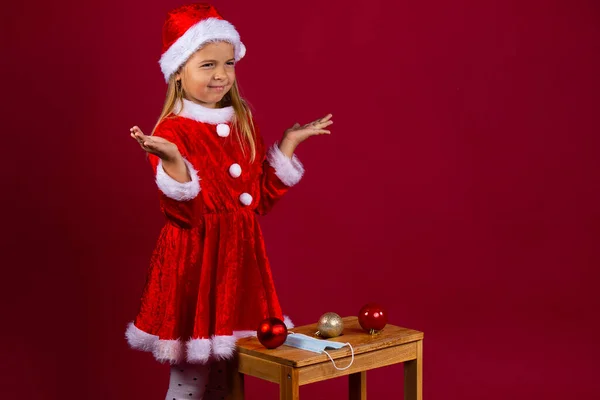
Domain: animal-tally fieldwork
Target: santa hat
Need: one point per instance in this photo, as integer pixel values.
(187, 28)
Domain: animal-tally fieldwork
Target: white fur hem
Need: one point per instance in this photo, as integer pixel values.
(223, 346)
(177, 190)
(288, 322)
(210, 29)
(138, 339)
(198, 351)
(163, 350)
(194, 351)
(169, 351)
(289, 170)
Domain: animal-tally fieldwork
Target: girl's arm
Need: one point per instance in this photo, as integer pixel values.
(279, 174)
(177, 169)
(175, 175)
(297, 134)
(281, 168)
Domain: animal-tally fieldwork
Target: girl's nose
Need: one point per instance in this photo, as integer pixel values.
(219, 74)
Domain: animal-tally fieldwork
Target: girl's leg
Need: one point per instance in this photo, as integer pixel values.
(188, 381)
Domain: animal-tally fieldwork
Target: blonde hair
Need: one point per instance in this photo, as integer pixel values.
(242, 118)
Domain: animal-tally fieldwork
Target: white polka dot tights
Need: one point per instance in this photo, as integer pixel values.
(188, 381)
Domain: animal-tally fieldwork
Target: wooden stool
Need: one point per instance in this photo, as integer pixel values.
(291, 367)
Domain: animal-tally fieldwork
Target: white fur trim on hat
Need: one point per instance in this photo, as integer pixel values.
(207, 30)
(177, 190)
(289, 170)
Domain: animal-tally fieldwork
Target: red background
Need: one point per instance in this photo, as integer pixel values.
(459, 188)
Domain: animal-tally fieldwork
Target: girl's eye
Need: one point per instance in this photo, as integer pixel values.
(206, 65)
(230, 63)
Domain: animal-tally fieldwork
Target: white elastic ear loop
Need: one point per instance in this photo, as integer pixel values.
(335, 366)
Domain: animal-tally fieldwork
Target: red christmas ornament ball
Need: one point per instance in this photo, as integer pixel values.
(271, 332)
(372, 316)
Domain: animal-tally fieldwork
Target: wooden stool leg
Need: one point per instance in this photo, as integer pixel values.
(236, 380)
(289, 389)
(358, 386)
(413, 376)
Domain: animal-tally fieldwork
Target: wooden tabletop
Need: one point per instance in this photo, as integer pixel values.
(361, 341)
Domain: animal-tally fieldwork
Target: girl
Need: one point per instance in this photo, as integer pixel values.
(209, 281)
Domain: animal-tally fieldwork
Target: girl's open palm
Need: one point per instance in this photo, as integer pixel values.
(298, 134)
(155, 145)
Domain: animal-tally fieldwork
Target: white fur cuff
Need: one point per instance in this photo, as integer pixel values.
(289, 170)
(177, 190)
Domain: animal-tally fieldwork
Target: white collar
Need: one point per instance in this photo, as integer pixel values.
(200, 113)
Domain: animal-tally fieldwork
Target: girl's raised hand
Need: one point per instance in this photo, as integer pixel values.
(155, 145)
(298, 134)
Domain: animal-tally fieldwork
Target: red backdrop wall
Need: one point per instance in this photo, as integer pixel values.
(459, 188)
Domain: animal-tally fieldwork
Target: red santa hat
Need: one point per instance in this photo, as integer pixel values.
(187, 28)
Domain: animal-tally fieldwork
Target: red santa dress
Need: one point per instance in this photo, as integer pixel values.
(209, 281)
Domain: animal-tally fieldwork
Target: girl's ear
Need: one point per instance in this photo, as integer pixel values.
(178, 74)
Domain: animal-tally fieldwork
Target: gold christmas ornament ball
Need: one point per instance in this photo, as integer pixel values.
(330, 325)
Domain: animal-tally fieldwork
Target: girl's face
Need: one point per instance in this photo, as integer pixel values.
(208, 74)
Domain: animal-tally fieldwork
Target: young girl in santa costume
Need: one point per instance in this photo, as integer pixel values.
(209, 281)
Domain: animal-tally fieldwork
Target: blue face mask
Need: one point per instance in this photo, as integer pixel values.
(315, 345)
